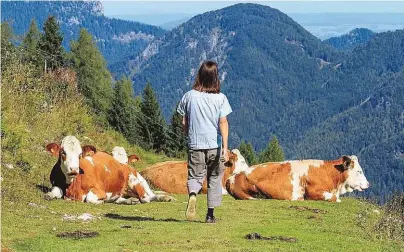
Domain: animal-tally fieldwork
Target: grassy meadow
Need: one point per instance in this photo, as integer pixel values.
(39, 109)
(317, 226)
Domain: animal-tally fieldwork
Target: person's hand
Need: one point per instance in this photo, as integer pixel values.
(225, 155)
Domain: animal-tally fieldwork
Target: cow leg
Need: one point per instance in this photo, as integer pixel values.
(159, 198)
(322, 195)
(139, 186)
(96, 196)
(135, 186)
(130, 201)
(55, 193)
(236, 191)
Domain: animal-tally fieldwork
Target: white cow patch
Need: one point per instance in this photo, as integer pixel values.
(356, 178)
(92, 198)
(72, 150)
(56, 192)
(240, 165)
(224, 191)
(120, 154)
(328, 195)
(109, 194)
(133, 180)
(300, 168)
(90, 159)
(106, 169)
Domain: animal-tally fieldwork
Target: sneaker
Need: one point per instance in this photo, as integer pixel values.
(210, 219)
(191, 208)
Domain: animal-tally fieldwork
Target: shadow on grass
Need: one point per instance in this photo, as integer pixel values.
(43, 188)
(142, 218)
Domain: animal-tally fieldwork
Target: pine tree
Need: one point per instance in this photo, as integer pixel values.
(30, 43)
(124, 110)
(177, 141)
(94, 79)
(7, 47)
(248, 153)
(151, 122)
(273, 153)
(50, 44)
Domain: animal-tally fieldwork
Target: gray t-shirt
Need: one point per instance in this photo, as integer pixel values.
(203, 111)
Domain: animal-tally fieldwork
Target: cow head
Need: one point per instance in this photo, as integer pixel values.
(356, 178)
(120, 154)
(240, 162)
(69, 154)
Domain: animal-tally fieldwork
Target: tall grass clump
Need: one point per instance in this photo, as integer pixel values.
(391, 223)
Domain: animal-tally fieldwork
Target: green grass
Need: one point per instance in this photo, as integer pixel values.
(342, 227)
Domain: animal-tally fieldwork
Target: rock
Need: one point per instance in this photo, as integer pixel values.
(9, 166)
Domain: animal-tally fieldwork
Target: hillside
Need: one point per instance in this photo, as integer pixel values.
(115, 38)
(350, 40)
(39, 109)
(282, 80)
(272, 72)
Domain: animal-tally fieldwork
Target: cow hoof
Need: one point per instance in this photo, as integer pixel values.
(133, 201)
(168, 198)
(47, 197)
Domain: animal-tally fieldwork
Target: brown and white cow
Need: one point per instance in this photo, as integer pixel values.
(171, 176)
(297, 179)
(87, 175)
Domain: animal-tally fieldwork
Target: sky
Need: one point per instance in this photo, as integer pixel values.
(120, 8)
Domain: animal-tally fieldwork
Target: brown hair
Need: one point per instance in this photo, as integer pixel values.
(207, 79)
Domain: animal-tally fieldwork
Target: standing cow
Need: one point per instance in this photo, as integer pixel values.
(87, 175)
(297, 180)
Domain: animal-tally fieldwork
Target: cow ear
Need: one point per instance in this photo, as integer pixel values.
(88, 150)
(346, 162)
(232, 159)
(133, 158)
(53, 148)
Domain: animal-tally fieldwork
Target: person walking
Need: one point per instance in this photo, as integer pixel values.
(204, 110)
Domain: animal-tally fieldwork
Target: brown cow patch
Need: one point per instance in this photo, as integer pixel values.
(78, 234)
(257, 236)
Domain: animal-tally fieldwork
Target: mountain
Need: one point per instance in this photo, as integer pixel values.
(351, 40)
(263, 55)
(281, 80)
(373, 126)
(115, 38)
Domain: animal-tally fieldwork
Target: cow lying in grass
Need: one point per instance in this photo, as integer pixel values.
(171, 176)
(297, 180)
(95, 177)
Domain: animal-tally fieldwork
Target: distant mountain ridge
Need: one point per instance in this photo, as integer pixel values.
(349, 41)
(282, 80)
(115, 38)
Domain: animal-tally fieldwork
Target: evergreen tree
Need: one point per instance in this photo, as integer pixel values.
(151, 122)
(7, 47)
(30, 43)
(177, 141)
(124, 110)
(248, 153)
(273, 153)
(50, 44)
(94, 79)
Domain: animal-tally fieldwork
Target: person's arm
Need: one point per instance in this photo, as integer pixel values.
(224, 131)
(185, 125)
